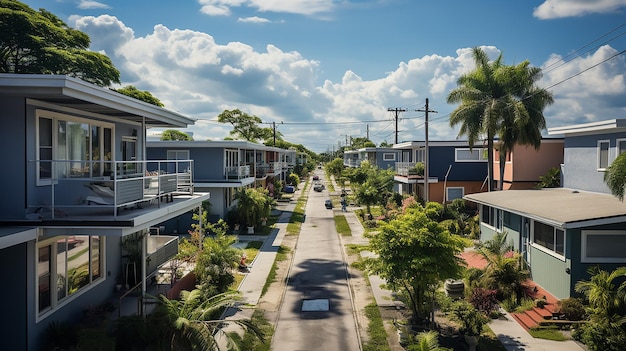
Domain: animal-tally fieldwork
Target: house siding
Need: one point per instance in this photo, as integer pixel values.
(16, 302)
(13, 138)
(550, 274)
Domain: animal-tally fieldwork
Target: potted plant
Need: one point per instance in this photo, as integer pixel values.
(471, 320)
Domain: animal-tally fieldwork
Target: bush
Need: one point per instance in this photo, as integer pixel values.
(572, 309)
(601, 335)
(484, 300)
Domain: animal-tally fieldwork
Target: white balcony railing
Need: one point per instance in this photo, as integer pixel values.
(78, 187)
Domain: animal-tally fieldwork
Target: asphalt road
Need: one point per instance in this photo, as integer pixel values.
(317, 310)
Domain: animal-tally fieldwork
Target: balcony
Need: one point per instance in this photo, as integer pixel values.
(238, 172)
(161, 249)
(409, 169)
(78, 187)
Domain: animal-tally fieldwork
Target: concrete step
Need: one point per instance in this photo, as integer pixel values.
(544, 312)
(524, 320)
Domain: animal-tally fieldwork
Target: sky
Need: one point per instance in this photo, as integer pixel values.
(328, 70)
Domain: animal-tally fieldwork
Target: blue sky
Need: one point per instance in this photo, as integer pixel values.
(328, 69)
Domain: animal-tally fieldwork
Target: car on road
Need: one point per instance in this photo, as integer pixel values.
(316, 177)
(328, 204)
(318, 187)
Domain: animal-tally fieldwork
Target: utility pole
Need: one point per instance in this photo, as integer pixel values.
(397, 111)
(367, 131)
(274, 125)
(426, 162)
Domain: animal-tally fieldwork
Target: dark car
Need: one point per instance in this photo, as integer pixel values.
(318, 187)
(328, 203)
(316, 177)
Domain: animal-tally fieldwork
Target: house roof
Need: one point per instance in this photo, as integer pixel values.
(226, 144)
(73, 93)
(607, 126)
(561, 207)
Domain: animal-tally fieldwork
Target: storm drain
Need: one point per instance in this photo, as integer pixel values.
(315, 305)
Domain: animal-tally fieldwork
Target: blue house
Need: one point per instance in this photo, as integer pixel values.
(223, 167)
(381, 157)
(454, 170)
(561, 232)
(77, 185)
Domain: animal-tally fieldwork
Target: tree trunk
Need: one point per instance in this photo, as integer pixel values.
(490, 160)
(503, 154)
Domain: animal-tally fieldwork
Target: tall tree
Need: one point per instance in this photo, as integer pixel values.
(144, 96)
(38, 42)
(173, 134)
(245, 127)
(499, 100)
(615, 176)
(522, 118)
(415, 254)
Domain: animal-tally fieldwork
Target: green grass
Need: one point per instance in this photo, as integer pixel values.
(489, 341)
(281, 255)
(375, 330)
(342, 226)
(547, 333)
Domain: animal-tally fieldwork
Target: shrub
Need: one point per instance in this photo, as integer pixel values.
(572, 308)
(601, 335)
(484, 300)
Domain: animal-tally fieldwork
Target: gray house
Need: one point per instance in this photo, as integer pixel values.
(561, 232)
(381, 157)
(77, 185)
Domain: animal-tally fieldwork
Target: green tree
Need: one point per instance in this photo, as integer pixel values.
(144, 96)
(415, 254)
(552, 179)
(522, 117)
(335, 167)
(253, 204)
(216, 262)
(615, 176)
(360, 142)
(426, 341)
(372, 186)
(38, 42)
(246, 127)
(173, 134)
(496, 99)
(191, 324)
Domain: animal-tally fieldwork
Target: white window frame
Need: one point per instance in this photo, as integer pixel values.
(599, 154)
(618, 150)
(55, 304)
(583, 246)
(545, 249)
(481, 155)
(454, 188)
(386, 156)
(55, 117)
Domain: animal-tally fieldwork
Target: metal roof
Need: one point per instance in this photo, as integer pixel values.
(561, 207)
(76, 94)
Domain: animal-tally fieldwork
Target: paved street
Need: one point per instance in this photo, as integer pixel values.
(317, 309)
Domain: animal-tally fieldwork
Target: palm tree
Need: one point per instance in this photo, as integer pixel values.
(615, 176)
(189, 323)
(522, 120)
(604, 295)
(499, 100)
(427, 341)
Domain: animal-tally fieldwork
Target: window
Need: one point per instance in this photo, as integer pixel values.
(603, 154)
(453, 193)
(389, 156)
(177, 167)
(65, 266)
(467, 155)
(603, 246)
(549, 238)
(492, 216)
(69, 146)
(620, 145)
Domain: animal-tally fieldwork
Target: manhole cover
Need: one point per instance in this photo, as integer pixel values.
(315, 305)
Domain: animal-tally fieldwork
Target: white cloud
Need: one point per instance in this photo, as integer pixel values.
(193, 74)
(301, 7)
(574, 8)
(254, 19)
(87, 5)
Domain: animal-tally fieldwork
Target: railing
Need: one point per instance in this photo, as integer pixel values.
(237, 172)
(81, 187)
(406, 168)
(352, 163)
(161, 248)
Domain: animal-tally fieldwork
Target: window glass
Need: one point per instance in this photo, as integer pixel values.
(559, 241)
(77, 263)
(45, 148)
(544, 235)
(61, 264)
(454, 193)
(605, 246)
(96, 258)
(603, 154)
(78, 148)
(486, 214)
(389, 157)
(44, 273)
(621, 146)
(467, 155)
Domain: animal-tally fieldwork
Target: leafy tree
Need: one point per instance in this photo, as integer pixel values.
(360, 142)
(191, 324)
(496, 99)
(372, 186)
(415, 254)
(384, 143)
(335, 167)
(253, 204)
(38, 42)
(173, 134)
(552, 179)
(246, 127)
(215, 263)
(144, 96)
(615, 176)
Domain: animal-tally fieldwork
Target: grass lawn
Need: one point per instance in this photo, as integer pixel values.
(342, 226)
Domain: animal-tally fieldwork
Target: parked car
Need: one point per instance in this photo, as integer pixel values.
(318, 187)
(290, 189)
(316, 177)
(328, 204)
